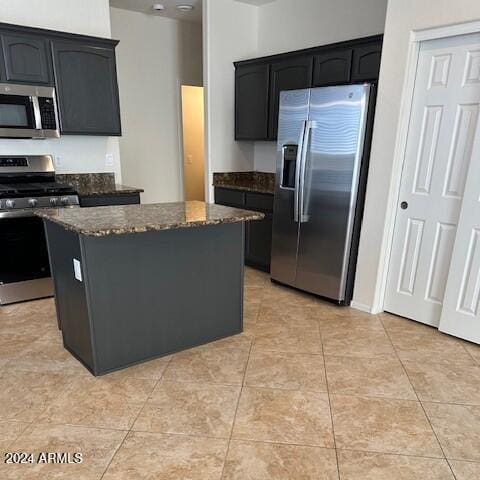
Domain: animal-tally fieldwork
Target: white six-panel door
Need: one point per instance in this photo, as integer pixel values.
(442, 131)
(461, 306)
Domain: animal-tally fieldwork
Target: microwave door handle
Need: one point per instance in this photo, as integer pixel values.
(303, 163)
(298, 160)
(36, 112)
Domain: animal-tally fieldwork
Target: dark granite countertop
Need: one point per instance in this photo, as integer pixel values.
(95, 184)
(118, 220)
(260, 182)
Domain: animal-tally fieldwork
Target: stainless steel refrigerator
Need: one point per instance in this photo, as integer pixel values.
(322, 156)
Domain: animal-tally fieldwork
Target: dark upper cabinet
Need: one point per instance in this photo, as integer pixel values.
(251, 101)
(86, 79)
(348, 62)
(289, 74)
(332, 67)
(25, 59)
(366, 62)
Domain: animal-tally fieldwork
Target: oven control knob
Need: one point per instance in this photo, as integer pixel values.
(54, 201)
(33, 202)
(64, 201)
(10, 203)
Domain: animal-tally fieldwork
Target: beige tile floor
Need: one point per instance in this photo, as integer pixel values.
(308, 391)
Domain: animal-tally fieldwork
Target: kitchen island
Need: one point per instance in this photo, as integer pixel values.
(136, 282)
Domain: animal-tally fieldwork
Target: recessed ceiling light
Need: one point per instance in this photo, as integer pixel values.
(158, 7)
(185, 8)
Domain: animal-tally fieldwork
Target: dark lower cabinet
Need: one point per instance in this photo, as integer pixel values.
(109, 200)
(26, 59)
(251, 102)
(290, 74)
(230, 197)
(87, 88)
(258, 243)
(258, 234)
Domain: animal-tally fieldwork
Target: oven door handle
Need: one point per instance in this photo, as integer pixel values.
(17, 213)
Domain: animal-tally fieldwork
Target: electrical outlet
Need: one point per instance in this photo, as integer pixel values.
(109, 160)
(189, 159)
(58, 161)
(77, 270)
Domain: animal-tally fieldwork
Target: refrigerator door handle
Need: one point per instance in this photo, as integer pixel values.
(309, 124)
(296, 195)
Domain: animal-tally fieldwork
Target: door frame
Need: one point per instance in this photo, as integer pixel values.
(416, 37)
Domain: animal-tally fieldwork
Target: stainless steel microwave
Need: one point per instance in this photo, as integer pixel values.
(28, 111)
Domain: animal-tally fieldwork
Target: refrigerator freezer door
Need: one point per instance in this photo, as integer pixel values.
(337, 119)
(294, 106)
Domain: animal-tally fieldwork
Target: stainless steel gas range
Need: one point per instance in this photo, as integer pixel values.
(26, 184)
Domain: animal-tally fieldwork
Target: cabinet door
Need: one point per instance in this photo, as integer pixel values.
(258, 243)
(26, 59)
(366, 62)
(229, 197)
(290, 74)
(258, 234)
(251, 102)
(87, 89)
(332, 67)
(109, 200)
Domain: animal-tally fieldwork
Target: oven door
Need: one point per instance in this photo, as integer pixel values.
(18, 116)
(24, 263)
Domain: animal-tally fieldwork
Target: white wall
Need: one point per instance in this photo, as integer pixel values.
(285, 26)
(90, 17)
(403, 16)
(230, 33)
(155, 56)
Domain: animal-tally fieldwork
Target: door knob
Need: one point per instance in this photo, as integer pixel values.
(404, 205)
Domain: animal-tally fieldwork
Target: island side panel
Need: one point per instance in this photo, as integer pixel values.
(70, 294)
(154, 293)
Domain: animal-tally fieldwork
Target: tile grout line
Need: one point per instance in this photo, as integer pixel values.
(28, 425)
(78, 425)
(475, 462)
(241, 386)
(392, 454)
(237, 405)
(329, 400)
(475, 361)
(63, 394)
(418, 398)
(149, 396)
(308, 445)
(135, 419)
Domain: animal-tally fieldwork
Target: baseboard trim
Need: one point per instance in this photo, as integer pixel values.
(361, 306)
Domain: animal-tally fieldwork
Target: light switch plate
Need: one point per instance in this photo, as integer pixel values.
(109, 160)
(77, 270)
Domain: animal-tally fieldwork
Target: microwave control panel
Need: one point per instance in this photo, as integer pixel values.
(47, 113)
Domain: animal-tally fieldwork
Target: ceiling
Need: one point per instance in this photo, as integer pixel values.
(145, 6)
